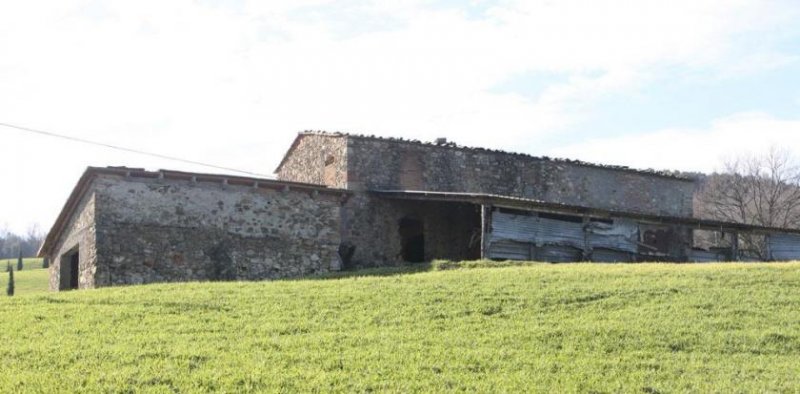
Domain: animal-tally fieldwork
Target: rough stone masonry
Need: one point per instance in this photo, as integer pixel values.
(145, 228)
(354, 201)
(363, 164)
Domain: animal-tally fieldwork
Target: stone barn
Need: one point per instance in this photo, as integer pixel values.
(130, 226)
(349, 201)
(415, 201)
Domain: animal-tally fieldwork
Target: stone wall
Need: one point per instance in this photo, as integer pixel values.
(371, 225)
(375, 164)
(318, 160)
(79, 233)
(166, 230)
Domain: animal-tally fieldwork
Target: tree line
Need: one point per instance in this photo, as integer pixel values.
(761, 189)
(13, 245)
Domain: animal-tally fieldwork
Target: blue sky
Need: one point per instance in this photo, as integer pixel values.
(681, 98)
(644, 83)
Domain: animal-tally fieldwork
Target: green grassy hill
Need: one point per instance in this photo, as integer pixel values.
(28, 263)
(574, 327)
(26, 282)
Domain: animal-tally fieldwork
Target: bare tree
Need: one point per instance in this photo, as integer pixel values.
(761, 190)
(12, 244)
(33, 240)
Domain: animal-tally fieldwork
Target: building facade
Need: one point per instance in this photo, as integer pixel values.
(128, 226)
(347, 201)
(381, 229)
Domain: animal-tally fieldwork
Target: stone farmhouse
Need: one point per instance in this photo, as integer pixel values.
(348, 201)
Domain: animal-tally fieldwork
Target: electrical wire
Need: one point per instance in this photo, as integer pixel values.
(130, 150)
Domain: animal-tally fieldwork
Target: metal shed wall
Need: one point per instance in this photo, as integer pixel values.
(536, 230)
(510, 250)
(528, 236)
(784, 246)
(622, 235)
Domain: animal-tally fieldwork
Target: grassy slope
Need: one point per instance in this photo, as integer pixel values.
(26, 282)
(31, 280)
(581, 327)
(27, 263)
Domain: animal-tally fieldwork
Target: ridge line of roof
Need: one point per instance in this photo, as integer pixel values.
(451, 145)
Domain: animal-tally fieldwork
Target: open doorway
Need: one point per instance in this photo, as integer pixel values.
(412, 240)
(70, 263)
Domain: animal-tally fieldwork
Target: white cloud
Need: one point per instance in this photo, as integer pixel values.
(232, 82)
(692, 149)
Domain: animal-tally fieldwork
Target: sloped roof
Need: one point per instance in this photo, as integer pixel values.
(651, 172)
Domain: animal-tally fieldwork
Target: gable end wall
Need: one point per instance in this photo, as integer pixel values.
(307, 161)
(80, 232)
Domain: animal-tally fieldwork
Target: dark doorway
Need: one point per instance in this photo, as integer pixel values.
(70, 272)
(412, 240)
(73, 271)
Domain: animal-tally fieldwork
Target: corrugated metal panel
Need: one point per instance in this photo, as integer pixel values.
(509, 250)
(705, 256)
(622, 235)
(611, 256)
(509, 227)
(784, 246)
(558, 254)
(539, 231)
(560, 232)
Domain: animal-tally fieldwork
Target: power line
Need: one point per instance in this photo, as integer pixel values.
(130, 150)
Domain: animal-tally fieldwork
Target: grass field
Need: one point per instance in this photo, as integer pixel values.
(26, 282)
(27, 263)
(31, 280)
(574, 327)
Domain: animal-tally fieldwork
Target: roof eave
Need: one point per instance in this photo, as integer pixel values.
(511, 202)
(73, 199)
(91, 172)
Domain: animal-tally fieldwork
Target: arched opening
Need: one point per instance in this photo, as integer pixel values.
(412, 240)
